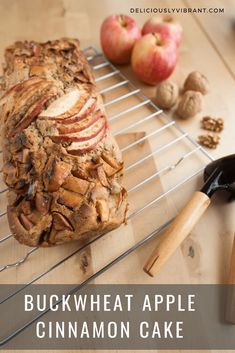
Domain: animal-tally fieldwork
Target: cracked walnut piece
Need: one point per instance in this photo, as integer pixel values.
(212, 124)
(210, 140)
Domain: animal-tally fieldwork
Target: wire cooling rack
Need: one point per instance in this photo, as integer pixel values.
(160, 159)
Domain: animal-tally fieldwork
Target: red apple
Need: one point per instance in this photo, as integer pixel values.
(118, 35)
(154, 59)
(167, 26)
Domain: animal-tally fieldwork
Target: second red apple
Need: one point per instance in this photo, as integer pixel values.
(166, 26)
(153, 58)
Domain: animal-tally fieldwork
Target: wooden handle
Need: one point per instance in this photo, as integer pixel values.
(230, 304)
(177, 232)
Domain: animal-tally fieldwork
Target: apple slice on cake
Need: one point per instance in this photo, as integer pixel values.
(66, 106)
(78, 148)
(84, 135)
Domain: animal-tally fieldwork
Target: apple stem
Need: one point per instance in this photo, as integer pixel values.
(168, 19)
(158, 39)
(123, 21)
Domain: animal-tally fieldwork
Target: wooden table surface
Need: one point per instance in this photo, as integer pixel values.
(208, 46)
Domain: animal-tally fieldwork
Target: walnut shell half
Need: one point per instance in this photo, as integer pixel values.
(190, 104)
(196, 82)
(167, 94)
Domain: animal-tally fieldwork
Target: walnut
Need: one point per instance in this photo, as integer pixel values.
(167, 94)
(196, 82)
(212, 124)
(210, 140)
(190, 104)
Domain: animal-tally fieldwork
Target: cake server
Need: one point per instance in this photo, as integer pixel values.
(218, 175)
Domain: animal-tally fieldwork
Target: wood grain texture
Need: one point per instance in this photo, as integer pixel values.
(230, 303)
(177, 232)
(219, 30)
(231, 275)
